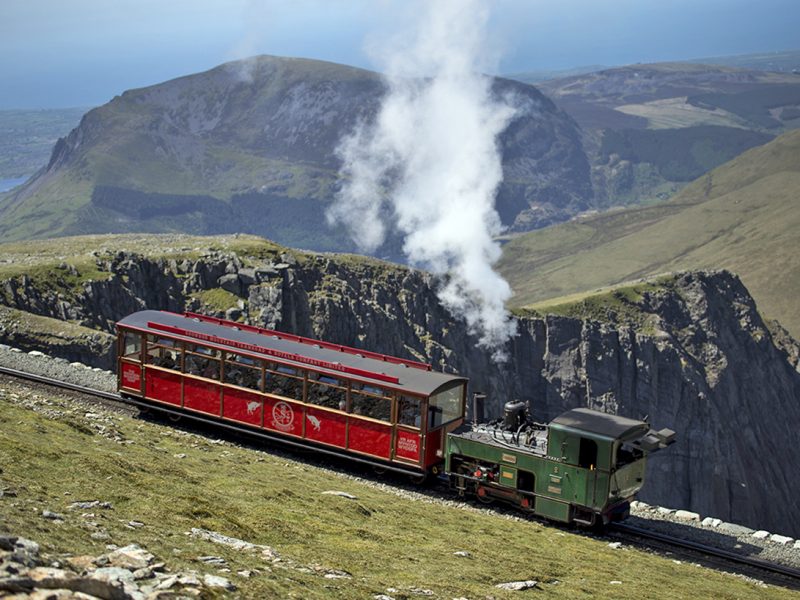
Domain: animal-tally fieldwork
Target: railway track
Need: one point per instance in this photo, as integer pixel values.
(770, 572)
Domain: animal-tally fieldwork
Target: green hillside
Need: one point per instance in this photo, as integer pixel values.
(743, 216)
(379, 540)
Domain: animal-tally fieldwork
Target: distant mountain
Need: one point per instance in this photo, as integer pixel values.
(787, 61)
(534, 77)
(249, 147)
(742, 216)
(650, 129)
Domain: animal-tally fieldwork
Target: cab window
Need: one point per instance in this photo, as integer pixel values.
(628, 454)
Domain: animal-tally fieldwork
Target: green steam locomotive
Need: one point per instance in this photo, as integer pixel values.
(584, 467)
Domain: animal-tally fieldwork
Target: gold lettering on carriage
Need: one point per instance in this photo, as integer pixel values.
(408, 445)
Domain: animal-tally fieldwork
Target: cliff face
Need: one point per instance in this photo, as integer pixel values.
(697, 358)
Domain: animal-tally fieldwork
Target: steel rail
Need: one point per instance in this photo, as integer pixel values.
(749, 561)
(211, 422)
(625, 528)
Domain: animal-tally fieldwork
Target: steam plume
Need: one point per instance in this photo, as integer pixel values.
(429, 164)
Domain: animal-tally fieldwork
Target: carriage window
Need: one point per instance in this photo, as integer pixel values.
(202, 362)
(161, 341)
(166, 358)
(369, 401)
(132, 346)
(409, 411)
(243, 371)
(324, 390)
(445, 406)
(284, 381)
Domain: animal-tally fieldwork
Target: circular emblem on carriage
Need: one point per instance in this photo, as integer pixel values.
(282, 416)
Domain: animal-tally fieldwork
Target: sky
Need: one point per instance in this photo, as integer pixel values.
(56, 53)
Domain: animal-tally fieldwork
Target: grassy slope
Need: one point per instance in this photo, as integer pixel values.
(381, 538)
(743, 216)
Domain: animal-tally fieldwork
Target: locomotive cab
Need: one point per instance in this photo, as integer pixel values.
(610, 453)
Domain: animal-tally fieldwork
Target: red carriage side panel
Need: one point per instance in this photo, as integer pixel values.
(163, 386)
(326, 427)
(370, 437)
(201, 395)
(283, 416)
(408, 445)
(242, 406)
(131, 377)
(433, 443)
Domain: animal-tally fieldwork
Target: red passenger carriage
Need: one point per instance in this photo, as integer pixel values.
(372, 408)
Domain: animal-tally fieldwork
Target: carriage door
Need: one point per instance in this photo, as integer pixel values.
(130, 362)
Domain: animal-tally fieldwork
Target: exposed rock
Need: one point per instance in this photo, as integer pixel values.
(266, 552)
(686, 515)
(212, 560)
(215, 581)
(342, 494)
(761, 534)
(90, 504)
(100, 577)
(231, 283)
(131, 556)
(518, 586)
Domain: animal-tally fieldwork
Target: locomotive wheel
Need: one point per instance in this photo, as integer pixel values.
(483, 496)
(174, 418)
(378, 470)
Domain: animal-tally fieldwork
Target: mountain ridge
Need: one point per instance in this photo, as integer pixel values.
(268, 127)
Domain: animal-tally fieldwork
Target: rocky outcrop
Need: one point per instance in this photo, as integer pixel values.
(128, 573)
(692, 353)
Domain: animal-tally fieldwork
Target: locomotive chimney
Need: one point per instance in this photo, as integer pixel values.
(478, 401)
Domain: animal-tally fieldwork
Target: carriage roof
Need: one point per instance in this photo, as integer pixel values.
(368, 367)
